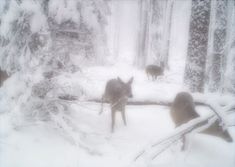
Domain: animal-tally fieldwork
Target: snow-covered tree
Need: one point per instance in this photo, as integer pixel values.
(156, 32)
(155, 21)
(229, 76)
(43, 43)
(27, 26)
(160, 30)
(167, 31)
(143, 33)
(197, 46)
(217, 57)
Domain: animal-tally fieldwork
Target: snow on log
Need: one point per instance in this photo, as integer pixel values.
(193, 126)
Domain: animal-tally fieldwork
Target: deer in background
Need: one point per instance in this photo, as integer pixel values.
(3, 76)
(116, 93)
(183, 110)
(154, 71)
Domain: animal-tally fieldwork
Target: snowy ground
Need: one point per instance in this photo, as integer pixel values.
(38, 144)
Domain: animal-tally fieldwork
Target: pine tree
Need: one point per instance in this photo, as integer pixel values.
(42, 38)
(38, 26)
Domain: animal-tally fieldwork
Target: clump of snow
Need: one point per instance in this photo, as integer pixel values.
(62, 12)
(8, 18)
(38, 20)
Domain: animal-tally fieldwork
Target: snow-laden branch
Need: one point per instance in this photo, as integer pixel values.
(215, 105)
(193, 126)
(66, 126)
(220, 112)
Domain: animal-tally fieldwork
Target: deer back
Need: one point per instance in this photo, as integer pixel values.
(183, 109)
(116, 90)
(154, 70)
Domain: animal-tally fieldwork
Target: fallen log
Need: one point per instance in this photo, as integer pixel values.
(146, 102)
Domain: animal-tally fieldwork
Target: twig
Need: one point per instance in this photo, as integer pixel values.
(165, 148)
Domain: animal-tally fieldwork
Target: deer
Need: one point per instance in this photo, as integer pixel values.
(183, 110)
(3, 77)
(117, 93)
(154, 71)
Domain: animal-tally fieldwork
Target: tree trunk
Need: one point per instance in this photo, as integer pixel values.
(218, 55)
(197, 47)
(157, 33)
(143, 33)
(167, 32)
(229, 81)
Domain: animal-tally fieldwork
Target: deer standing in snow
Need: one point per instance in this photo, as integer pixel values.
(154, 71)
(183, 110)
(116, 93)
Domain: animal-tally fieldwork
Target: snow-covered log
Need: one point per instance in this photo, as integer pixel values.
(193, 126)
(216, 105)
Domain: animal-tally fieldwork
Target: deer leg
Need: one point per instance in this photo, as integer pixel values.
(124, 116)
(113, 120)
(152, 77)
(184, 144)
(149, 77)
(102, 103)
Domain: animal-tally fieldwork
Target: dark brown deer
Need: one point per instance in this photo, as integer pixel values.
(154, 71)
(183, 110)
(3, 76)
(116, 93)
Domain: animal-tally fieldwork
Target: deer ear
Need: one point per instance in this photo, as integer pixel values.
(119, 79)
(130, 80)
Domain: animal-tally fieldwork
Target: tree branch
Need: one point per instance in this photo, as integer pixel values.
(195, 125)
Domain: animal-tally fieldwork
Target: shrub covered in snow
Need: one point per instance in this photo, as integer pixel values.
(42, 45)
